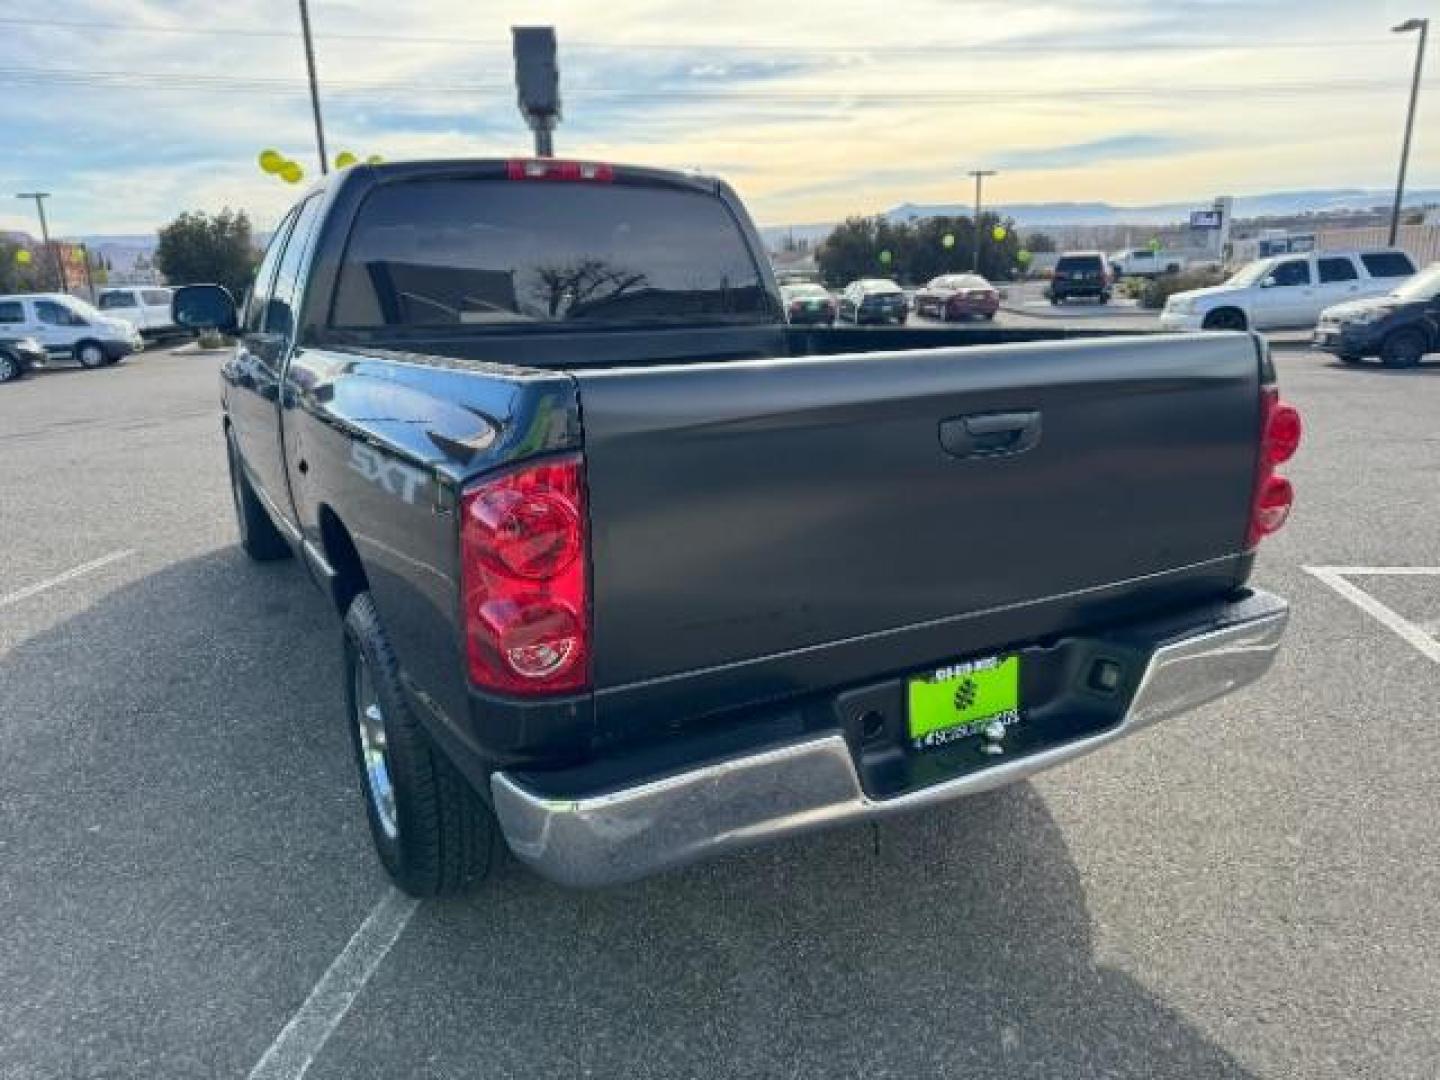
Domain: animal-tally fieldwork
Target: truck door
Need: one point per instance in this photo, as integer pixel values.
(1339, 280)
(1287, 295)
(269, 330)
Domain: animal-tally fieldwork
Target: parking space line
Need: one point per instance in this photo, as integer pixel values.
(60, 579)
(290, 1056)
(1335, 577)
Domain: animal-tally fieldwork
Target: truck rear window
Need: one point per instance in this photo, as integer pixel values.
(494, 252)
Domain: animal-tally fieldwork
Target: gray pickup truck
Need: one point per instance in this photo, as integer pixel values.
(631, 572)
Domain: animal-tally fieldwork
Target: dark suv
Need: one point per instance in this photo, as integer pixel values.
(1081, 273)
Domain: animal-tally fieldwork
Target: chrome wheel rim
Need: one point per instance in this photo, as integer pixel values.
(8, 369)
(374, 760)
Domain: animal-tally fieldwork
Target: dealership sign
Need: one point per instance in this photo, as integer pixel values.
(1205, 219)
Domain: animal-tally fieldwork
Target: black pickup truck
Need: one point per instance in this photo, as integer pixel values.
(631, 572)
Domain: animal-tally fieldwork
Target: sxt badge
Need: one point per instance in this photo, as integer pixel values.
(397, 479)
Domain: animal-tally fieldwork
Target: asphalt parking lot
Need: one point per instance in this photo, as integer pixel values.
(1250, 890)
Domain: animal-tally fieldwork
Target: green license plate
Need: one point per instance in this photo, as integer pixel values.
(963, 699)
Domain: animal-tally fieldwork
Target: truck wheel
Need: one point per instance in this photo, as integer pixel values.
(259, 538)
(90, 354)
(9, 368)
(1350, 358)
(433, 834)
(1402, 349)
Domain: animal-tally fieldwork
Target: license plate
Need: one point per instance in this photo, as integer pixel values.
(963, 699)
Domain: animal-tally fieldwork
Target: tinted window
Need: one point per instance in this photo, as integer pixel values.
(48, 311)
(280, 317)
(1388, 264)
(110, 301)
(1141, 256)
(1291, 272)
(1337, 269)
(156, 297)
(11, 311)
(264, 276)
(1080, 264)
(476, 252)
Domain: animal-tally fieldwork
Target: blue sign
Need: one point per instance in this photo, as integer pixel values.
(1205, 219)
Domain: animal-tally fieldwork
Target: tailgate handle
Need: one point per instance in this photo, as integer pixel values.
(990, 434)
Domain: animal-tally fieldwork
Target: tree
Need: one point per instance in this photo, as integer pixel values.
(197, 247)
(918, 250)
(18, 277)
(1039, 242)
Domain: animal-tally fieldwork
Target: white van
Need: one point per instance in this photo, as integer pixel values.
(1287, 290)
(147, 306)
(68, 329)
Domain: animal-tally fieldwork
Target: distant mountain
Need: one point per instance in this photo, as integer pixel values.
(1059, 215)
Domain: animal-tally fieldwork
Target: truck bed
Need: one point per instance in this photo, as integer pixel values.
(763, 527)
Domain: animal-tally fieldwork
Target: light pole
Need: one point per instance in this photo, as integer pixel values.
(979, 175)
(40, 197)
(1423, 25)
(314, 88)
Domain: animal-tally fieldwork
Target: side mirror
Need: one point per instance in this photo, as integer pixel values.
(204, 307)
(1267, 283)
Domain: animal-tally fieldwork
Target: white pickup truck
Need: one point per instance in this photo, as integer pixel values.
(1147, 262)
(1287, 290)
(147, 306)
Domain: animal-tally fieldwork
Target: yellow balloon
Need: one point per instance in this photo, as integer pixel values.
(22, 257)
(271, 161)
(999, 232)
(374, 159)
(948, 240)
(345, 159)
(291, 173)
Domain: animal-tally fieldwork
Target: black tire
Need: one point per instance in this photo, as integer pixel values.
(1105, 298)
(1224, 319)
(1350, 358)
(259, 538)
(1402, 348)
(989, 316)
(901, 320)
(90, 354)
(10, 367)
(434, 835)
(1054, 301)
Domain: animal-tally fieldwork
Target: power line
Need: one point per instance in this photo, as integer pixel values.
(163, 80)
(1189, 45)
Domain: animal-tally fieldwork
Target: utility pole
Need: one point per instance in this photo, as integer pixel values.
(89, 277)
(40, 197)
(979, 175)
(1423, 25)
(314, 88)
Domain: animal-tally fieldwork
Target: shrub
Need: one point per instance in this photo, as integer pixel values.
(212, 339)
(1156, 291)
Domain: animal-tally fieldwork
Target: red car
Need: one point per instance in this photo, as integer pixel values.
(957, 296)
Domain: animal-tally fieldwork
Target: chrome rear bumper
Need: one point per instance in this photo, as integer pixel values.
(810, 784)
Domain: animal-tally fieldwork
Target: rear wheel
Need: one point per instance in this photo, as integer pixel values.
(90, 354)
(1350, 358)
(1403, 349)
(1224, 319)
(259, 538)
(431, 831)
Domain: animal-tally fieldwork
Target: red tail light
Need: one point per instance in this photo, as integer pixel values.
(1280, 431)
(550, 169)
(523, 589)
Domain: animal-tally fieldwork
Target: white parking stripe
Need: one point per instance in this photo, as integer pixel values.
(290, 1056)
(60, 579)
(1334, 576)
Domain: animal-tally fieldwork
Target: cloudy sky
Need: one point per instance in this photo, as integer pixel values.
(132, 111)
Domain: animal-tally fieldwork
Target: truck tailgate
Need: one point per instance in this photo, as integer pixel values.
(764, 527)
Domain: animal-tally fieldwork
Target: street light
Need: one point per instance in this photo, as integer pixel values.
(314, 86)
(979, 175)
(40, 197)
(1423, 25)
